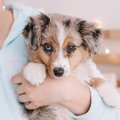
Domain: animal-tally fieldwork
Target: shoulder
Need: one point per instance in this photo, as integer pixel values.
(25, 10)
(21, 14)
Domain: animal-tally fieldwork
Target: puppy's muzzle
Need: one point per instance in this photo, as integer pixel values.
(58, 72)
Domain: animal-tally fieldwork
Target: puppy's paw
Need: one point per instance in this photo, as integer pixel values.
(35, 73)
(110, 94)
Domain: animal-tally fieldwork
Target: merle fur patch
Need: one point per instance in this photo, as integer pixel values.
(66, 23)
(32, 31)
(90, 35)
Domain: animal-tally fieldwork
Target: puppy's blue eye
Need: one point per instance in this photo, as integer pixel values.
(47, 47)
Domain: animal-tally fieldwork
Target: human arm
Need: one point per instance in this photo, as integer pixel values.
(83, 103)
(67, 92)
(98, 110)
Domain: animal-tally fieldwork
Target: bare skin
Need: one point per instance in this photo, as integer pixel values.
(68, 92)
(6, 21)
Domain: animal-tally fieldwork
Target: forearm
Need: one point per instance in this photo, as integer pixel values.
(78, 98)
(98, 110)
(83, 103)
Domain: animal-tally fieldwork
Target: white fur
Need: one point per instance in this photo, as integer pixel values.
(61, 34)
(35, 73)
(107, 90)
(87, 71)
(109, 94)
(61, 61)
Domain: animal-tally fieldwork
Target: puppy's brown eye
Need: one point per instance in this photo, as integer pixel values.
(47, 48)
(71, 48)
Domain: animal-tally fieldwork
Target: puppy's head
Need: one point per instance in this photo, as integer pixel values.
(61, 42)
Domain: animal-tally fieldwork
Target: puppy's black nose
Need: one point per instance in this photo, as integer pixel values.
(58, 71)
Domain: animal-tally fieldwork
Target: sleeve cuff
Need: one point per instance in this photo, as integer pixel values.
(96, 109)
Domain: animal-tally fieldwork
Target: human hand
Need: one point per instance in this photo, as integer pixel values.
(66, 91)
(36, 96)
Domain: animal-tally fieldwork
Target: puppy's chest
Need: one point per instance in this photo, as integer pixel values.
(86, 72)
(83, 73)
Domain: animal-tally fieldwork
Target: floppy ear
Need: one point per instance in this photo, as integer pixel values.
(33, 30)
(90, 34)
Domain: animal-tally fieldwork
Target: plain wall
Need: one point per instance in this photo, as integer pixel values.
(105, 11)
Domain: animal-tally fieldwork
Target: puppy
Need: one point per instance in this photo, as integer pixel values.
(61, 46)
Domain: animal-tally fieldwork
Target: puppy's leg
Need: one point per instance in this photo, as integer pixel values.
(35, 73)
(107, 91)
(51, 112)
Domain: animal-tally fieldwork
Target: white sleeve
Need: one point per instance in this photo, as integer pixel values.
(98, 110)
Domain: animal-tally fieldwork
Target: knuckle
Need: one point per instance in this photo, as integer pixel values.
(27, 86)
(28, 90)
(35, 104)
(17, 89)
(13, 78)
(33, 100)
(30, 97)
(19, 98)
(27, 106)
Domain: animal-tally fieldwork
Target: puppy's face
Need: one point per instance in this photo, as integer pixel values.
(61, 42)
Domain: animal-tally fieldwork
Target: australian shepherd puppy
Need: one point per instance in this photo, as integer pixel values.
(61, 46)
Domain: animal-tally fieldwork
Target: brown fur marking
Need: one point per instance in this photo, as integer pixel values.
(96, 82)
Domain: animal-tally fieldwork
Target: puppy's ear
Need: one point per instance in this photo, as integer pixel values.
(90, 34)
(34, 29)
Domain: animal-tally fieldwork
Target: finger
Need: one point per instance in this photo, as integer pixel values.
(17, 79)
(23, 98)
(20, 89)
(30, 106)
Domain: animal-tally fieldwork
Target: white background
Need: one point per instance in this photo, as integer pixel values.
(106, 11)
